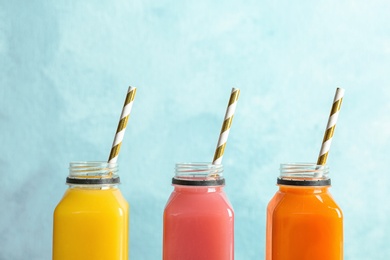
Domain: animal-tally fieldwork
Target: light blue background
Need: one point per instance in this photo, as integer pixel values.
(64, 71)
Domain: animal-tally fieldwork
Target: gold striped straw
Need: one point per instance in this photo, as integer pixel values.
(120, 131)
(334, 114)
(227, 123)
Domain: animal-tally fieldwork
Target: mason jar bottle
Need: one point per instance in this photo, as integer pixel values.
(303, 220)
(91, 220)
(198, 217)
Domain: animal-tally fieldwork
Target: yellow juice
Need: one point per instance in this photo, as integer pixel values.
(91, 221)
(91, 224)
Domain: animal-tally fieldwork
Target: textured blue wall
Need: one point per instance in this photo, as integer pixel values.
(65, 67)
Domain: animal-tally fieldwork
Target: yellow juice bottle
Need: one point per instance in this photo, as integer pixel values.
(91, 220)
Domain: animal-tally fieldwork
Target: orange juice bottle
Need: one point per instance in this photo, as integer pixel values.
(91, 220)
(303, 220)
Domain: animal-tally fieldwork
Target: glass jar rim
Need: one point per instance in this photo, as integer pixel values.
(92, 172)
(198, 174)
(304, 174)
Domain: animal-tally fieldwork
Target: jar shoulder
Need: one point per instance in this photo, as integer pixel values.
(189, 202)
(88, 199)
(314, 203)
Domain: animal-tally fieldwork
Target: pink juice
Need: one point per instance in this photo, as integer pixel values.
(198, 218)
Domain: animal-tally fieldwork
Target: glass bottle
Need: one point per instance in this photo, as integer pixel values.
(303, 220)
(198, 217)
(91, 220)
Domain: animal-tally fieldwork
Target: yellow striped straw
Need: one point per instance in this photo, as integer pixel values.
(227, 123)
(334, 114)
(120, 131)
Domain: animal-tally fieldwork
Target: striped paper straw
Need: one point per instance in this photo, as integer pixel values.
(334, 114)
(227, 123)
(120, 131)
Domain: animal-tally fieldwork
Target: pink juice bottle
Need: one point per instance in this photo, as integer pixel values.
(198, 217)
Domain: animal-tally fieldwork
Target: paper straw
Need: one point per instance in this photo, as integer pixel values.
(334, 114)
(120, 131)
(227, 123)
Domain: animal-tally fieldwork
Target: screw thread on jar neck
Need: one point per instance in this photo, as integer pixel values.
(304, 174)
(86, 173)
(198, 174)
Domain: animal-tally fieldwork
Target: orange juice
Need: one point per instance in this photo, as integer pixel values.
(303, 220)
(198, 218)
(91, 220)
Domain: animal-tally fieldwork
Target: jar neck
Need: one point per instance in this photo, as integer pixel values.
(101, 174)
(303, 189)
(304, 174)
(197, 189)
(93, 186)
(198, 174)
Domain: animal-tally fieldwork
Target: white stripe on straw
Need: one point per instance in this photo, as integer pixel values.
(331, 126)
(120, 132)
(226, 126)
